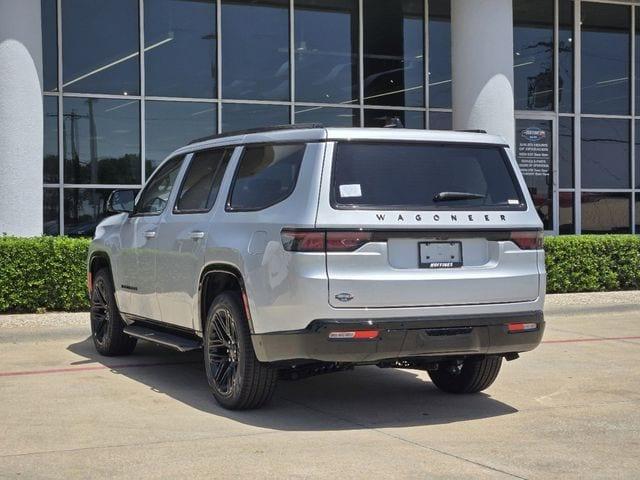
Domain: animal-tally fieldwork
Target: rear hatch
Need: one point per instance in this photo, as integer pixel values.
(423, 224)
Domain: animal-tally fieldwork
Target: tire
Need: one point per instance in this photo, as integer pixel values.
(474, 376)
(106, 323)
(236, 377)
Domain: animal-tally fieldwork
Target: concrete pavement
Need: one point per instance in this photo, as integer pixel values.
(570, 409)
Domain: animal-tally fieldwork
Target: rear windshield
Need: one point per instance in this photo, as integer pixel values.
(423, 176)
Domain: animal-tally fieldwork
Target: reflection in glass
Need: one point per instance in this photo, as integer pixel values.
(101, 141)
(637, 159)
(605, 153)
(101, 46)
(50, 151)
(565, 56)
(171, 125)
(84, 208)
(49, 45)
(637, 213)
(534, 151)
(326, 51)
(440, 54)
(328, 116)
(606, 62)
(606, 213)
(440, 121)
(180, 48)
(637, 59)
(51, 211)
(241, 116)
(533, 54)
(566, 215)
(565, 152)
(394, 52)
(255, 50)
(381, 118)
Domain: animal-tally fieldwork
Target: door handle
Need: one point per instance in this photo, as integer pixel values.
(196, 235)
(150, 234)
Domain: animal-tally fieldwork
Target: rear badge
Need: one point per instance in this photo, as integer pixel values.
(344, 297)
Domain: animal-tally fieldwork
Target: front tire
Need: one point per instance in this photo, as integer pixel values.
(473, 376)
(106, 323)
(236, 377)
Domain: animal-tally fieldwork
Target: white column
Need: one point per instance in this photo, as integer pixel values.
(21, 118)
(482, 66)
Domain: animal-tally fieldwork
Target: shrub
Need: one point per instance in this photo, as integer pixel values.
(43, 273)
(592, 263)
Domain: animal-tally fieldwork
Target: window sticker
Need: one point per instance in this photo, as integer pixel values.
(512, 201)
(351, 190)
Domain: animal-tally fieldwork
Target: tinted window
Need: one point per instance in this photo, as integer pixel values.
(412, 175)
(51, 156)
(328, 116)
(51, 211)
(49, 46)
(637, 154)
(155, 196)
(440, 121)
(101, 46)
(565, 152)
(606, 213)
(180, 48)
(381, 118)
(637, 212)
(265, 176)
(102, 138)
(606, 62)
(605, 153)
(202, 180)
(394, 60)
(171, 125)
(567, 214)
(326, 47)
(84, 208)
(533, 54)
(240, 116)
(565, 55)
(440, 53)
(255, 50)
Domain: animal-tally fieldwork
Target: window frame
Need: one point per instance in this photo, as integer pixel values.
(224, 164)
(230, 208)
(147, 185)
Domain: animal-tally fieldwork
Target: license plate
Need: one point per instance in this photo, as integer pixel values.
(440, 254)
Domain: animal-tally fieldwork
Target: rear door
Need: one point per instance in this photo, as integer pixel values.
(418, 224)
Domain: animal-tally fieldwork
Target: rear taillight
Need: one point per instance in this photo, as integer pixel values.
(528, 240)
(321, 241)
(347, 241)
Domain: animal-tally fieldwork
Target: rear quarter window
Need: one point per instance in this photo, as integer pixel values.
(421, 176)
(265, 176)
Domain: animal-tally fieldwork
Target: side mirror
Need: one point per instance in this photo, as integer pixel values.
(121, 201)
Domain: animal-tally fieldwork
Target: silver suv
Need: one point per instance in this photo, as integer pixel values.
(302, 250)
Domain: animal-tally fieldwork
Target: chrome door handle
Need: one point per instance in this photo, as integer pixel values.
(197, 235)
(150, 234)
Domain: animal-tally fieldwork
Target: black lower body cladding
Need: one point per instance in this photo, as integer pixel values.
(402, 338)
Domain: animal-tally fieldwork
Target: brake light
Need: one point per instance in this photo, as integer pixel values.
(528, 240)
(347, 241)
(303, 240)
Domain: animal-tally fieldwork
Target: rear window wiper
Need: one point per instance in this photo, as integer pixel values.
(443, 196)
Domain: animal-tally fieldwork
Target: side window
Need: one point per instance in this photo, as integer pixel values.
(155, 196)
(202, 181)
(266, 175)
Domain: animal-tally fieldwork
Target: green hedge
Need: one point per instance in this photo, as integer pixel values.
(43, 273)
(592, 263)
(48, 273)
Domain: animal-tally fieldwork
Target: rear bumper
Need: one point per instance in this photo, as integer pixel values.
(402, 338)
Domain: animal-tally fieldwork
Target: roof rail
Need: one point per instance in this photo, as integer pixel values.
(476, 130)
(298, 126)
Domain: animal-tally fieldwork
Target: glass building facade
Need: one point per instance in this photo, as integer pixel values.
(128, 81)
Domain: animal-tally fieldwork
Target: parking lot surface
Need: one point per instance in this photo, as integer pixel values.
(570, 409)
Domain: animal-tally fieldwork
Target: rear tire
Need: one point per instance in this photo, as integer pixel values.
(237, 379)
(474, 376)
(106, 323)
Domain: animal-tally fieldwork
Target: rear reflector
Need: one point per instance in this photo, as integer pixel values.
(521, 327)
(528, 240)
(355, 335)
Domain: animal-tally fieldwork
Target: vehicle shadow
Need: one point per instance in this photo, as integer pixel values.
(367, 397)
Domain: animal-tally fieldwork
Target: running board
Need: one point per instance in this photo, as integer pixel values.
(177, 342)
